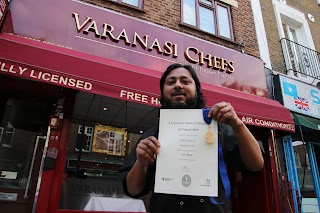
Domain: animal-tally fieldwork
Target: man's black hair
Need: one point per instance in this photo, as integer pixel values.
(200, 101)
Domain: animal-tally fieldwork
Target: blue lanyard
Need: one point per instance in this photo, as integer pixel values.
(222, 166)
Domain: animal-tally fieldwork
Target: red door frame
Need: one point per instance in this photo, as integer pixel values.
(50, 188)
(38, 89)
(274, 175)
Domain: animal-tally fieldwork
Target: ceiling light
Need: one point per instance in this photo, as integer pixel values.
(105, 108)
(141, 131)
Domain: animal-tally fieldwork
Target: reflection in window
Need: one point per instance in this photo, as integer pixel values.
(95, 173)
(136, 3)
(303, 169)
(84, 138)
(209, 16)
(223, 20)
(189, 16)
(132, 2)
(207, 20)
(297, 159)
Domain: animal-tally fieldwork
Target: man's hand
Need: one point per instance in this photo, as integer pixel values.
(249, 148)
(147, 151)
(223, 112)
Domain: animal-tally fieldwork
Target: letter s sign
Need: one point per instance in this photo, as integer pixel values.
(315, 94)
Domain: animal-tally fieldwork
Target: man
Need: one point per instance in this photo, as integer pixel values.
(181, 89)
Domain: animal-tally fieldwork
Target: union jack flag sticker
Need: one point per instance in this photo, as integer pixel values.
(301, 103)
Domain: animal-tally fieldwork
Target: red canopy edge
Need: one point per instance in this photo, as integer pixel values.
(38, 61)
(252, 110)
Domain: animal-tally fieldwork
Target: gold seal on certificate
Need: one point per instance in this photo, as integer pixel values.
(209, 136)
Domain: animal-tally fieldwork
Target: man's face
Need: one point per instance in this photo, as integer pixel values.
(179, 89)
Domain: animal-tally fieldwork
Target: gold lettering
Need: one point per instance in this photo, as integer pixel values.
(222, 64)
(123, 35)
(175, 50)
(156, 45)
(188, 57)
(216, 62)
(207, 58)
(107, 30)
(79, 27)
(93, 28)
(167, 48)
(230, 68)
(143, 42)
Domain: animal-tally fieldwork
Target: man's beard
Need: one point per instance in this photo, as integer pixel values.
(190, 103)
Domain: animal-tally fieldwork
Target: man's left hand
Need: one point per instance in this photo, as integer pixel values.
(223, 112)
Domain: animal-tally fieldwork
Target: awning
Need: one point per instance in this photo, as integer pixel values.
(34, 60)
(308, 128)
(38, 61)
(253, 110)
(311, 123)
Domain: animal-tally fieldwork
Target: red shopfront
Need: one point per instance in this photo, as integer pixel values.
(88, 68)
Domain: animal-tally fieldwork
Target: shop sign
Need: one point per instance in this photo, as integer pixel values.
(108, 34)
(4, 4)
(77, 192)
(191, 54)
(78, 84)
(300, 97)
(268, 124)
(139, 97)
(48, 77)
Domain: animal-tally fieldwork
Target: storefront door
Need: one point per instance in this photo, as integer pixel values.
(23, 128)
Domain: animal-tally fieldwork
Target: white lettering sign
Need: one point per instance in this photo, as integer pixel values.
(133, 96)
(45, 76)
(269, 124)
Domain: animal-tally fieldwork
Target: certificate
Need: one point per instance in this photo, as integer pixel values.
(186, 163)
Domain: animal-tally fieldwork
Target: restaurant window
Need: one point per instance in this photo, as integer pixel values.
(135, 3)
(305, 175)
(208, 15)
(84, 139)
(112, 127)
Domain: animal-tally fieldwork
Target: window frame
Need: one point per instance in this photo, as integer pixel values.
(213, 8)
(140, 4)
(88, 133)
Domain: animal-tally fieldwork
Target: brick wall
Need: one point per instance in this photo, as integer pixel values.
(311, 7)
(167, 13)
(275, 50)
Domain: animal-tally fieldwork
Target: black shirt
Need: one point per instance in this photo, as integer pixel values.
(170, 203)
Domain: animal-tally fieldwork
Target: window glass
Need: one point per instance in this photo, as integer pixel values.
(132, 2)
(22, 120)
(223, 19)
(206, 2)
(209, 16)
(107, 129)
(189, 15)
(303, 169)
(207, 20)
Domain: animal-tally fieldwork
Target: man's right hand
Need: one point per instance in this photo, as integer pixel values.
(147, 151)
